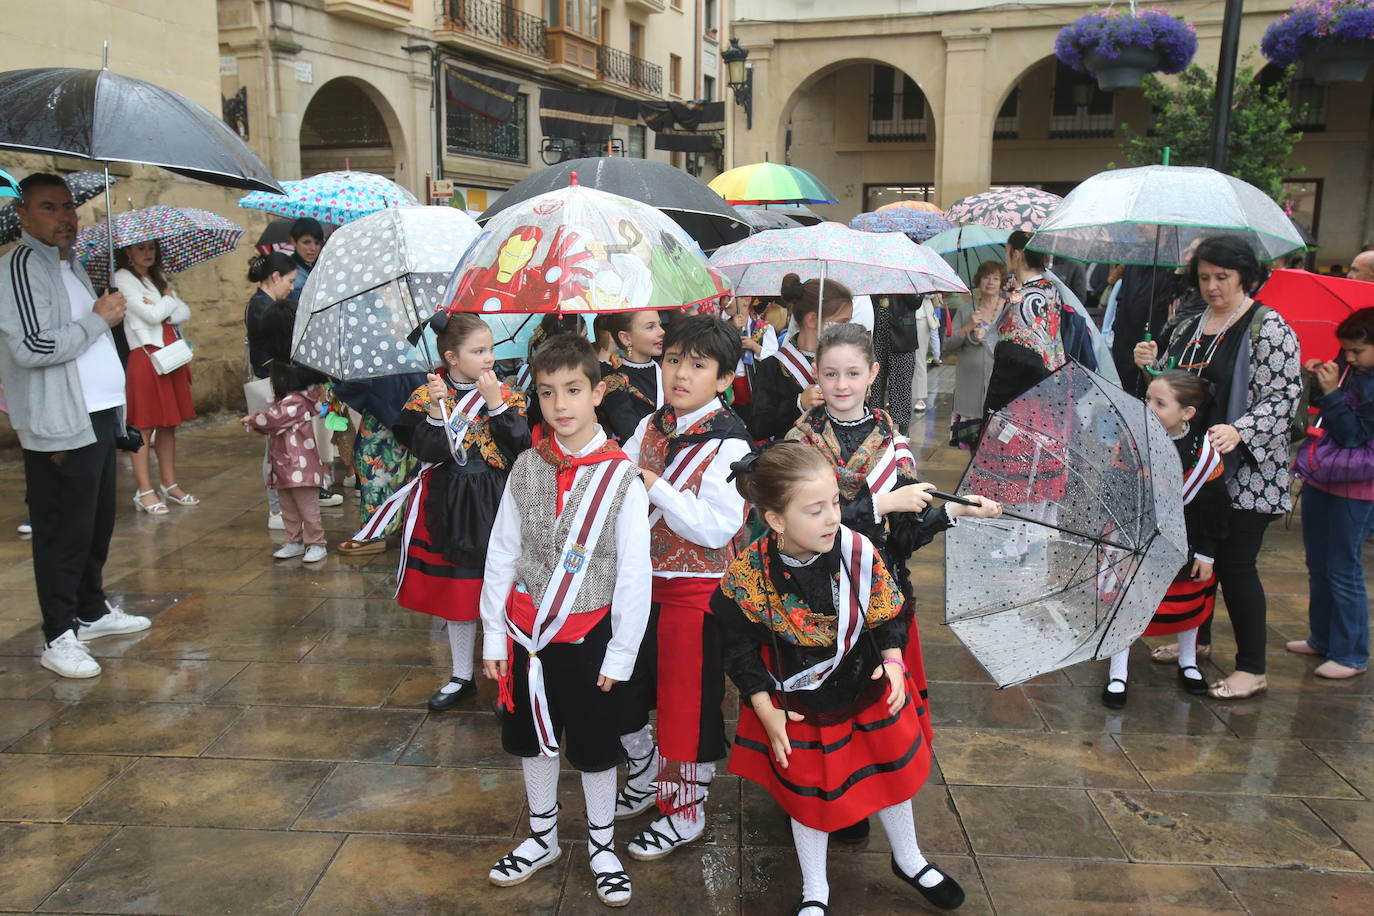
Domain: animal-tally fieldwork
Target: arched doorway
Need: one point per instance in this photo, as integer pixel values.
(865, 128)
(347, 124)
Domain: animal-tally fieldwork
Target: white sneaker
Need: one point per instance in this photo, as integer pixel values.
(315, 553)
(289, 551)
(274, 522)
(25, 528)
(329, 500)
(67, 656)
(114, 623)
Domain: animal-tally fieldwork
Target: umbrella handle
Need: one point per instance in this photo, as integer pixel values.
(950, 497)
(1170, 363)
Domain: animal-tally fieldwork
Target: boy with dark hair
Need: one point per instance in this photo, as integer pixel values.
(572, 539)
(307, 239)
(634, 389)
(684, 450)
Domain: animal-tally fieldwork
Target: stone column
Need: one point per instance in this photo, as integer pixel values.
(963, 151)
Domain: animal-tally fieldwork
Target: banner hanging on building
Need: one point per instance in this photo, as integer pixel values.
(485, 95)
(584, 116)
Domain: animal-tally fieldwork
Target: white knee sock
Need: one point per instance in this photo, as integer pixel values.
(1120, 663)
(462, 636)
(541, 793)
(900, 826)
(811, 853)
(689, 799)
(598, 790)
(643, 760)
(1187, 648)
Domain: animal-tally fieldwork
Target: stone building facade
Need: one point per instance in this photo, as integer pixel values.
(943, 98)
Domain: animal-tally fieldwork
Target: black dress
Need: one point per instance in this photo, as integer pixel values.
(631, 395)
(773, 400)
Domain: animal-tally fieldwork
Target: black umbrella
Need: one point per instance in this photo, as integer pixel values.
(84, 185)
(100, 115)
(276, 237)
(701, 212)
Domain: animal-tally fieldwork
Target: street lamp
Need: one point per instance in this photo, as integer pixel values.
(739, 73)
(435, 109)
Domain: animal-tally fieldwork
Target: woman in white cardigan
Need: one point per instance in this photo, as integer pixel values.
(157, 404)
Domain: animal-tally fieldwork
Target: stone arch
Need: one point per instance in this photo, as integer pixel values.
(349, 122)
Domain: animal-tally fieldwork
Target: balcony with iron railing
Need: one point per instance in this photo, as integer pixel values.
(1082, 126)
(896, 118)
(498, 24)
(624, 69)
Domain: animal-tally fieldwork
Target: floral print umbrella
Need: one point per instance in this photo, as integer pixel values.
(917, 225)
(1013, 209)
(868, 263)
(376, 280)
(185, 237)
(84, 185)
(582, 250)
(332, 197)
(912, 205)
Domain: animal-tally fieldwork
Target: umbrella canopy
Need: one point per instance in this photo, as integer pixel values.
(1150, 215)
(582, 250)
(966, 247)
(923, 205)
(689, 203)
(376, 281)
(802, 216)
(84, 186)
(1314, 305)
(185, 237)
(104, 116)
(771, 183)
(276, 237)
(1097, 469)
(1012, 209)
(917, 225)
(868, 263)
(8, 186)
(332, 197)
(761, 219)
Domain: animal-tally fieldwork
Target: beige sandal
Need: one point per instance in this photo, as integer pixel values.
(1222, 689)
(157, 507)
(354, 548)
(1168, 655)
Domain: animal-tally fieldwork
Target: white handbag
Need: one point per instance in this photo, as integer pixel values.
(171, 357)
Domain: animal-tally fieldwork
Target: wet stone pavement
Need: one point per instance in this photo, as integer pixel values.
(265, 749)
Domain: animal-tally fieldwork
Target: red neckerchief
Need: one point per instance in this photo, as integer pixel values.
(549, 449)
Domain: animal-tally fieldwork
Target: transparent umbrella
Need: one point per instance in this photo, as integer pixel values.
(1097, 479)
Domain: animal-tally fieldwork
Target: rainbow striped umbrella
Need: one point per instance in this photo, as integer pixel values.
(771, 183)
(185, 237)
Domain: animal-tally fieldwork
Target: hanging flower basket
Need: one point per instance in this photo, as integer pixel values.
(1120, 46)
(1333, 38)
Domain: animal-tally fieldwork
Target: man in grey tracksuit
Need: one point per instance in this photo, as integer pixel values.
(65, 388)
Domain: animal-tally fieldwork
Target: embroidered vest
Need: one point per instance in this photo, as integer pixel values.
(534, 486)
(670, 551)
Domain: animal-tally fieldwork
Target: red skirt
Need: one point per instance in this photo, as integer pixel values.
(431, 584)
(1186, 605)
(157, 400)
(839, 774)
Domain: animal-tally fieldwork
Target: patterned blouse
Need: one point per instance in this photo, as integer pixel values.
(1263, 484)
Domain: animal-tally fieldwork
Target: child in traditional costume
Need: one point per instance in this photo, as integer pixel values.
(1176, 397)
(758, 340)
(634, 387)
(830, 718)
(468, 429)
(572, 537)
(785, 383)
(876, 473)
(684, 451)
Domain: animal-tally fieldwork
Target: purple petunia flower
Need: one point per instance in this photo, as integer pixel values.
(1107, 32)
(1317, 23)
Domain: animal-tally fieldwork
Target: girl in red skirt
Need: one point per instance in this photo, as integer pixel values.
(1176, 397)
(468, 429)
(830, 719)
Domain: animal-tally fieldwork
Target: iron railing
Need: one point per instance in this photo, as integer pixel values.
(498, 22)
(470, 134)
(627, 70)
(1082, 126)
(896, 117)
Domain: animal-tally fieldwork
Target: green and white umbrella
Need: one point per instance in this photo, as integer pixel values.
(965, 248)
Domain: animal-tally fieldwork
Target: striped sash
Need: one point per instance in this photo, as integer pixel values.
(1208, 460)
(883, 476)
(797, 363)
(856, 584)
(684, 467)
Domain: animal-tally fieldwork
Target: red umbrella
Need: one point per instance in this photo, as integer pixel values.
(1314, 305)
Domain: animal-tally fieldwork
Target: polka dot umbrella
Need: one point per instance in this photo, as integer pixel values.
(185, 237)
(376, 280)
(332, 197)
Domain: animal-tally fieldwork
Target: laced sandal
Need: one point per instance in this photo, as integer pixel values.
(630, 801)
(1222, 689)
(156, 507)
(185, 499)
(512, 869)
(612, 887)
(652, 843)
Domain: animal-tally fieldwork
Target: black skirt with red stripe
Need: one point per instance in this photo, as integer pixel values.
(839, 774)
(1186, 605)
(431, 584)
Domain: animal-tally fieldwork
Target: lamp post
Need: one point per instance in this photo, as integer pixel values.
(434, 106)
(739, 74)
(1226, 79)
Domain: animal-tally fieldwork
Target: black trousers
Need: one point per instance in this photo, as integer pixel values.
(1238, 576)
(71, 497)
